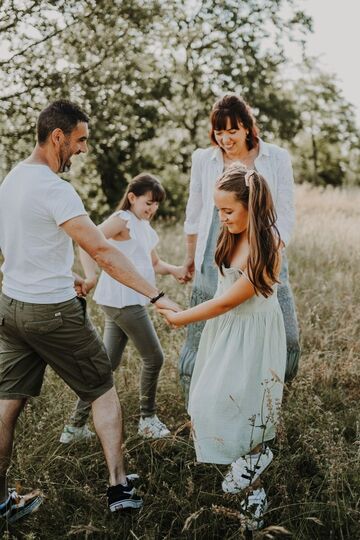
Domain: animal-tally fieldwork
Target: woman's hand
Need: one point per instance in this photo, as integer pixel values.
(189, 267)
(185, 272)
(89, 283)
(181, 274)
(171, 317)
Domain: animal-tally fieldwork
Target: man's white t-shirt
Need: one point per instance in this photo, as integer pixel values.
(38, 254)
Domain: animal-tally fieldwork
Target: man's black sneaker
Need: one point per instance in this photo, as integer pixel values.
(121, 497)
(18, 506)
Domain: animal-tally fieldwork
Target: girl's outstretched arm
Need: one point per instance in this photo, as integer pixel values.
(161, 267)
(112, 227)
(238, 293)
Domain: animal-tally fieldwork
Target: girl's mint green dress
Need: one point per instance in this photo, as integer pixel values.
(237, 384)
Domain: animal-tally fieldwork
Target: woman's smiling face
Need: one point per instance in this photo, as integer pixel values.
(232, 141)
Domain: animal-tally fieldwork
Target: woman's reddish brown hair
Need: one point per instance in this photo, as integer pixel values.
(238, 112)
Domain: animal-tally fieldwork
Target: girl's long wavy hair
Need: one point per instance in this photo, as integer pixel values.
(252, 191)
(140, 185)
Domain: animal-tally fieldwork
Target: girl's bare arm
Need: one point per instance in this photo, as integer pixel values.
(161, 267)
(241, 291)
(238, 293)
(113, 226)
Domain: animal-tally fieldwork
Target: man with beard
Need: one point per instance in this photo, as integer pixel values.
(42, 321)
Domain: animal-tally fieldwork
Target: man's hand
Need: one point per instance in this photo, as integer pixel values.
(165, 303)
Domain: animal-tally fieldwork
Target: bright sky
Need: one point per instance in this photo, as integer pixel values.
(337, 39)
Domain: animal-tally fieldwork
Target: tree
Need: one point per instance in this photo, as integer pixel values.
(330, 136)
(148, 72)
(115, 78)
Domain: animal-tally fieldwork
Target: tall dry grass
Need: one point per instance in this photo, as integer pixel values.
(314, 482)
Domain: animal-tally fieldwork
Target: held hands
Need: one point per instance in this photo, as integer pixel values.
(181, 275)
(83, 286)
(171, 317)
(168, 309)
(186, 272)
(165, 303)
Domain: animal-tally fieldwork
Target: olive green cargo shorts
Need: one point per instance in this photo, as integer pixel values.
(60, 335)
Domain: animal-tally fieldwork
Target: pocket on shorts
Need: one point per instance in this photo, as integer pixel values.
(43, 327)
(93, 364)
(73, 312)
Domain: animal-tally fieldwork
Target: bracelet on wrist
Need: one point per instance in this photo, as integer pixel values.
(156, 298)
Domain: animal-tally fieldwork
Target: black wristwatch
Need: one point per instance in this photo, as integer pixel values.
(156, 298)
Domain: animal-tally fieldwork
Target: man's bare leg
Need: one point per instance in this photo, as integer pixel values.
(108, 423)
(9, 413)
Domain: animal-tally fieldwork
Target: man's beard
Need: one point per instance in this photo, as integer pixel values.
(64, 159)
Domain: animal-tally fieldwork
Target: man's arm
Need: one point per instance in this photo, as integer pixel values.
(85, 233)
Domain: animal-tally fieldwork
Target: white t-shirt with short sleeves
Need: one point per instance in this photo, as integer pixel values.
(38, 254)
(138, 248)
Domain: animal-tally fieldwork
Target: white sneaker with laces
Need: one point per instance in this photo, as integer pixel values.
(71, 434)
(245, 470)
(253, 509)
(151, 427)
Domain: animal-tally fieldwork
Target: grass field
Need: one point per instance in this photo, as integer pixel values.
(314, 482)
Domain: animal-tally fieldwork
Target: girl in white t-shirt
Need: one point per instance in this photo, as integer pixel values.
(126, 316)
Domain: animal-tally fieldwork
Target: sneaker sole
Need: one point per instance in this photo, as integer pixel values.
(153, 437)
(62, 440)
(252, 526)
(29, 509)
(132, 476)
(115, 507)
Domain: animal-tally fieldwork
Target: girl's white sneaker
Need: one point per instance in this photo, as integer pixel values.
(253, 508)
(151, 427)
(245, 470)
(72, 434)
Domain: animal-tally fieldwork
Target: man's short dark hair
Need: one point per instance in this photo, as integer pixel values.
(61, 114)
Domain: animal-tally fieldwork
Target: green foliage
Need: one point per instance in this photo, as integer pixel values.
(148, 72)
(329, 141)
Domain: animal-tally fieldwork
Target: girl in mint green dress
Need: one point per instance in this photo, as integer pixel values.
(237, 384)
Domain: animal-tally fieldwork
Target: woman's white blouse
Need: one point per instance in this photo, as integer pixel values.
(143, 240)
(272, 162)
